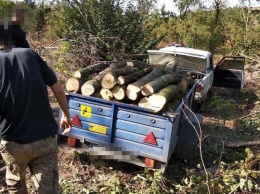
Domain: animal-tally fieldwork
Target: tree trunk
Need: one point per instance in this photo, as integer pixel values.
(110, 79)
(241, 144)
(136, 86)
(89, 87)
(119, 92)
(186, 83)
(159, 99)
(124, 80)
(85, 72)
(74, 84)
(159, 83)
(139, 64)
(118, 65)
(171, 106)
(106, 94)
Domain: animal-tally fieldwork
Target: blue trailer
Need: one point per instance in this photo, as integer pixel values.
(132, 134)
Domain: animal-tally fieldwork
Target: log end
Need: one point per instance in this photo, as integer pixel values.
(108, 81)
(87, 90)
(119, 92)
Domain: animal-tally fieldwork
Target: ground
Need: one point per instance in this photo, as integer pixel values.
(229, 116)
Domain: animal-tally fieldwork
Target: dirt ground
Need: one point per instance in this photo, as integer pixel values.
(81, 173)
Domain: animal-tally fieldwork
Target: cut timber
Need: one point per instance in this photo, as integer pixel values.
(159, 83)
(132, 95)
(119, 92)
(85, 72)
(74, 84)
(136, 86)
(89, 87)
(241, 144)
(159, 99)
(144, 103)
(171, 106)
(106, 94)
(110, 79)
(186, 83)
(139, 64)
(118, 65)
(124, 80)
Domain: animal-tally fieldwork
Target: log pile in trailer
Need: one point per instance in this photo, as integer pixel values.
(156, 88)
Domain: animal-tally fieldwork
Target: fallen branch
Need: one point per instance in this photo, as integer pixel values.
(241, 144)
(249, 115)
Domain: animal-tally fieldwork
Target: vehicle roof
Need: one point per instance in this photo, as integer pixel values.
(183, 51)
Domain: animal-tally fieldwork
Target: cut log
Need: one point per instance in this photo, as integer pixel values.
(171, 106)
(118, 65)
(144, 103)
(106, 94)
(241, 144)
(139, 64)
(186, 83)
(159, 99)
(85, 72)
(125, 80)
(74, 84)
(119, 92)
(110, 79)
(89, 87)
(132, 95)
(159, 83)
(136, 86)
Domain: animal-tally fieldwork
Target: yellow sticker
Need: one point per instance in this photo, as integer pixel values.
(98, 128)
(85, 111)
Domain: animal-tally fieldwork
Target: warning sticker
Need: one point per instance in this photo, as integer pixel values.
(85, 111)
(98, 128)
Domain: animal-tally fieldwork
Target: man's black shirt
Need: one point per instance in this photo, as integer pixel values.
(25, 113)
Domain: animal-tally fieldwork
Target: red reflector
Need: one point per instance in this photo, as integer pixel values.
(72, 141)
(149, 162)
(75, 121)
(150, 139)
(198, 88)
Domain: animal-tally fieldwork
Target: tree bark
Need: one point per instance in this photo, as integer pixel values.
(159, 99)
(139, 64)
(171, 106)
(118, 65)
(85, 72)
(89, 87)
(119, 92)
(110, 79)
(124, 80)
(74, 84)
(159, 83)
(136, 86)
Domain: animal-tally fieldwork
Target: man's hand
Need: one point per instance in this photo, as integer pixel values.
(65, 124)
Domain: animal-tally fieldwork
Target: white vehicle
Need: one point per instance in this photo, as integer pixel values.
(229, 72)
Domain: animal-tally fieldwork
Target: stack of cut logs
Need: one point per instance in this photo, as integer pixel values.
(135, 82)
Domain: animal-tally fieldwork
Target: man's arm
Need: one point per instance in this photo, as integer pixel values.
(65, 122)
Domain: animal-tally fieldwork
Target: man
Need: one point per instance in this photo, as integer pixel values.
(27, 125)
(18, 18)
